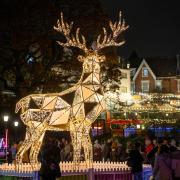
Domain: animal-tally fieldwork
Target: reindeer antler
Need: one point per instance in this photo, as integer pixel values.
(74, 41)
(117, 28)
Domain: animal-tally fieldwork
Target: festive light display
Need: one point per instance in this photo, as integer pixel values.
(74, 109)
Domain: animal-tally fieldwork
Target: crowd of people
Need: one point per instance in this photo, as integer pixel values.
(158, 153)
(163, 155)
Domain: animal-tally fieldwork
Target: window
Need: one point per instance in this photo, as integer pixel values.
(124, 75)
(123, 89)
(178, 85)
(132, 87)
(159, 84)
(132, 72)
(145, 86)
(145, 72)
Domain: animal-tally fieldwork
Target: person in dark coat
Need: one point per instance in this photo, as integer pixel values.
(106, 151)
(9, 156)
(135, 161)
(152, 154)
(50, 159)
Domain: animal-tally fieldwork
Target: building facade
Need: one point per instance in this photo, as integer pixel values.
(125, 86)
(154, 75)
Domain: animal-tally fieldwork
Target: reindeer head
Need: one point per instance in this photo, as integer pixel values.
(92, 58)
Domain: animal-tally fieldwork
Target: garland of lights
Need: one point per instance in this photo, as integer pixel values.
(74, 109)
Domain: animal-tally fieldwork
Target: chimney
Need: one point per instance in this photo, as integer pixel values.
(178, 65)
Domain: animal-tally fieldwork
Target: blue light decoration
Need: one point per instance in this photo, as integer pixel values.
(160, 131)
(129, 131)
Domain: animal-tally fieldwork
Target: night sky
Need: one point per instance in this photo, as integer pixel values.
(154, 26)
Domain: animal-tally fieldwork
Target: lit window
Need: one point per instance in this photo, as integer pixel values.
(124, 75)
(145, 72)
(132, 72)
(159, 84)
(132, 87)
(145, 86)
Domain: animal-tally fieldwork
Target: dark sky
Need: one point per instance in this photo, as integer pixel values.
(154, 25)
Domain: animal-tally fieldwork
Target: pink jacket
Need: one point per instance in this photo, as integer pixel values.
(176, 167)
(162, 167)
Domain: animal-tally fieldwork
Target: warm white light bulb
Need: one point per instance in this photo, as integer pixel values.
(138, 126)
(16, 123)
(6, 118)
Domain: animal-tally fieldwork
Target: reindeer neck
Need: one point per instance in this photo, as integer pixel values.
(90, 78)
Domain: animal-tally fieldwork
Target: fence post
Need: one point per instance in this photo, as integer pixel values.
(91, 174)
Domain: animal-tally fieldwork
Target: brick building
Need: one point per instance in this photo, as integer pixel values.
(149, 75)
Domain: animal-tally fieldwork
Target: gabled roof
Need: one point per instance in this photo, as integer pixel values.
(161, 66)
(144, 63)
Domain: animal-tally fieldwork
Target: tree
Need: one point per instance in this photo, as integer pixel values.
(29, 54)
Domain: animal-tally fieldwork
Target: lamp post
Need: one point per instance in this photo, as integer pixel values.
(6, 118)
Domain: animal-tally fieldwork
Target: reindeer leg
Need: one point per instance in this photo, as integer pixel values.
(87, 145)
(76, 137)
(24, 147)
(35, 148)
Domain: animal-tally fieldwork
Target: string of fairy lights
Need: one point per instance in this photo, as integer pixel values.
(153, 109)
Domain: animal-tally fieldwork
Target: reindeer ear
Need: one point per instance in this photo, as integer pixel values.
(81, 58)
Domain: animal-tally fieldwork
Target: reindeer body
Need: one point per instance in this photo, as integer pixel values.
(74, 109)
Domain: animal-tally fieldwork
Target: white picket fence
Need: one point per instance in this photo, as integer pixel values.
(68, 169)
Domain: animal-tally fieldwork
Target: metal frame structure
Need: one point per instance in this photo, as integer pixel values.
(74, 109)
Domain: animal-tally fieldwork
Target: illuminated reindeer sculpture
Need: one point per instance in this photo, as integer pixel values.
(74, 109)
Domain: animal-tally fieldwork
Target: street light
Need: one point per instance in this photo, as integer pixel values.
(16, 123)
(6, 118)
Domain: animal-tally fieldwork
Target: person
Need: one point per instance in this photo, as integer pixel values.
(128, 146)
(62, 149)
(120, 152)
(14, 149)
(152, 154)
(149, 146)
(162, 165)
(106, 151)
(173, 147)
(67, 150)
(9, 156)
(166, 142)
(114, 151)
(50, 159)
(135, 161)
(97, 151)
(175, 156)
